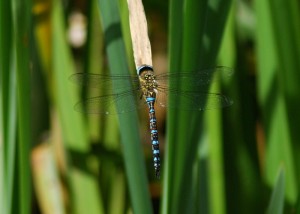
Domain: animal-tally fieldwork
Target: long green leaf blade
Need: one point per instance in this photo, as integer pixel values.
(86, 196)
(201, 39)
(8, 111)
(134, 161)
(175, 38)
(21, 34)
(273, 90)
(276, 203)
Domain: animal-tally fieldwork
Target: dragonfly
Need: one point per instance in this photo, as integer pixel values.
(151, 90)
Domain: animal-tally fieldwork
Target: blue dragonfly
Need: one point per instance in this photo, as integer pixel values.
(152, 90)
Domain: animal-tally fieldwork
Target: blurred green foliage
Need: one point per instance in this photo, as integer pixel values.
(241, 159)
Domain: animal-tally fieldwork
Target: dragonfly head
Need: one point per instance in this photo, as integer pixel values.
(148, 82)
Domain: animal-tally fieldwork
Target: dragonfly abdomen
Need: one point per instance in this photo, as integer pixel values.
(154, 135)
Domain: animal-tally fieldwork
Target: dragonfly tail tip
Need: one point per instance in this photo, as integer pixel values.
(157, 173)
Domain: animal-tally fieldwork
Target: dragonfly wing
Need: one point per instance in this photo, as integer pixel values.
(204, 101)
(110, 104)
(193, 101)
(194, 95)
(106, 81)
(196, 79)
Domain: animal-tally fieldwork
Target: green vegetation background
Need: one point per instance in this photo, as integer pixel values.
(242, 159)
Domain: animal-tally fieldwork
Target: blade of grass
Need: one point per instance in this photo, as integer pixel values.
(124, 14)
(276, 203)
(273, 94)
(21, 33)
(186, 151)
(7, 108)
(86, 196)
(117, 203)
(201, 192)
(240, 150)
(178, 144)
(93, 59)
(112, 178)
(216, 171)
(215, 162)
(134, 160)
(285, 21)
(200, 44)
(211, 165)
(10, 141)
(175, 38)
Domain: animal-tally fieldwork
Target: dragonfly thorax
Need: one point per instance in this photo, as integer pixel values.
(148, 84)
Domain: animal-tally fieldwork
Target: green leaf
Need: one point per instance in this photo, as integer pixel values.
(169, 166)
(8, 109)
(86, 196)
(134, 160)
(276, 203)
(195, 36)
(21, 34)
(275, 71)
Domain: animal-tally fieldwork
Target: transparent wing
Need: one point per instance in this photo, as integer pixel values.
(108, 102)
(128, 102)
(196, 97)
(111, 104)
(198, 79)
(192, 101)
(129, 98)
(106, 81)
